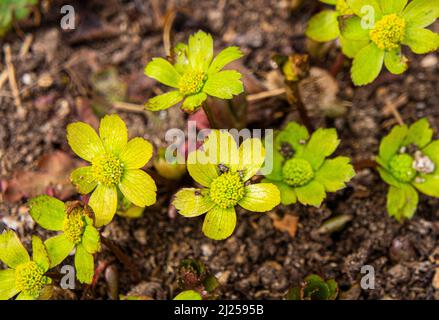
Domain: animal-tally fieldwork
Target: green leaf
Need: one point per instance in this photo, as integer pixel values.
(58, 248)
(219, 223)
(287, 193)
(200, 50)
(360, 8)
(188, 295)
(430, 186)
(421, 40)
(421, 13)
(315, 288)
(311, 194)
(392, 6)
(191, 103)
(136, 153)
(351, 47)
(419, 134)
(103, 201)
(113, 133)
(333, 2)
(164, 101)
(223, 58)
(84, 140)
(84, 265)
(323, 26)
(260, 197)
(39, 253)
(12, 252)
(191, 202)
(334, 173)
(224, 84)
(395, 61)
(7, 284)
(91, 240)
(351, 29)
(402, 202)
(138, 187)
(164, 72)
(48, 212)
(251, 157)
(83, 179)
(294, 134)
(391, 143)
(367, 65)
(322, 144)
(333, 289)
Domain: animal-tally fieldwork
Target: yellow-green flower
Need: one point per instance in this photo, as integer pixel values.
(301, 169)
(76, 232)
(386, 26)
(409, 162)
(24, 277)
(225, 172)
(115, 164)
(195, 74)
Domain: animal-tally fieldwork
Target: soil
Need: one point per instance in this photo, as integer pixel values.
(259, 261)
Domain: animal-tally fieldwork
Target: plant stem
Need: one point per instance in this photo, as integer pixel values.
(210, 116)
(294, 99)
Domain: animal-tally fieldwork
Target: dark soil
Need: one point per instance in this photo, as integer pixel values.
(258, 261)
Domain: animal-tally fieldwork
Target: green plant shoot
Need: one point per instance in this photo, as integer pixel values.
(195, 74)
(188, 295)
(408, 161)
(300, 168)
(386, 26)
(25, 277)
(314, 288)
(13, 10)
(75, 224)
(115, 164)
(225, 172)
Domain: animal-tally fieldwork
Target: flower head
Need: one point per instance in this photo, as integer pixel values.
(385, 26)
(408, 161)
(115, 164)
(74, 223)
(300, 168)
(225, 170)
(24, 277)
(195, 74)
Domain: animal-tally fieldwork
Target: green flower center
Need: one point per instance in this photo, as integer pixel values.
(401, 167)
(191, 82)
(29, 278)
(107, 169)
(73, 226)
(297, 172)
(343, 8)
(389, 32)
(227, 190)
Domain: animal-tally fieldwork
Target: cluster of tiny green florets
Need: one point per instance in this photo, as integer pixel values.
(191, 82)
(107, 169)
(389, 32)
(401, 166)
(227, 190)
(297, 172)
(29, 278)
(343, 8)
(74, 225)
